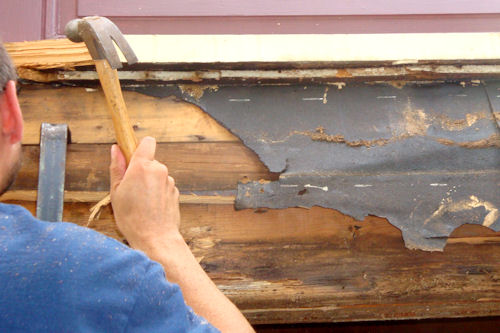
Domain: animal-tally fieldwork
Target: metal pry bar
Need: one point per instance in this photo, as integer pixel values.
(51, 173)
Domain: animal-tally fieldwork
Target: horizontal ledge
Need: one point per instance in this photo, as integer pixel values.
(86, 196)
(334, 76)
(220, 49)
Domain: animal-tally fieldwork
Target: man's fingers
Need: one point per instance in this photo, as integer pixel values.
(170, 181)
(146, 149)
(117, 167)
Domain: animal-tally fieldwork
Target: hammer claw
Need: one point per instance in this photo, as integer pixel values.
(99, 33)
(123, 45)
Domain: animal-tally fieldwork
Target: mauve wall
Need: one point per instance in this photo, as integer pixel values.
(36, 19)
(21, 20)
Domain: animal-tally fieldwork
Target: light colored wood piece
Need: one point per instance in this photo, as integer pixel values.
(48, 54)
(85, 112)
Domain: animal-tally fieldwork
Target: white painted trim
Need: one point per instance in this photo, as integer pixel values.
(399, 48)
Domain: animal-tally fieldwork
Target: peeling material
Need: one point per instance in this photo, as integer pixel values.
(416, 122)
(325, 94)
(320, 135)
(460, 124)
(492, 141)
(464, 205)
(414, 159)
(195, 90)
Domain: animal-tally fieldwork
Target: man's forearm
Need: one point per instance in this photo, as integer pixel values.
(199, 291)
(146, 207)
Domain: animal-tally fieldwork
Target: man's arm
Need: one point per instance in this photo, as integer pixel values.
(146, 207)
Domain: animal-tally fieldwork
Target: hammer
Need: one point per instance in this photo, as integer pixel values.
(98, 33)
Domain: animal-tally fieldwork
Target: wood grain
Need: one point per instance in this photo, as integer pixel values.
(124, 133)
(42, 54)
(194, 166)
(85, 112)
(96, 196)
(299, 265)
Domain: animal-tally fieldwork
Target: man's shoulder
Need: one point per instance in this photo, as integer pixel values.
(74, 244)
(83, 276)
(92, 282)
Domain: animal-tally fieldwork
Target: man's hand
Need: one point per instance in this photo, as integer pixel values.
(144, 198)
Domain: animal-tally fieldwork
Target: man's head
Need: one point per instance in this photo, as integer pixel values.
(11, 123)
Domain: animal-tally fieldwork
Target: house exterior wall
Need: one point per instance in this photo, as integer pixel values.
(38, 19)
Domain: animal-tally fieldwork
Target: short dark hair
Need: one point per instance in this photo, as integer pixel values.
(7, 70)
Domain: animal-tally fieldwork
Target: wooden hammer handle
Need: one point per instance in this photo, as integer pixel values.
(124, 132)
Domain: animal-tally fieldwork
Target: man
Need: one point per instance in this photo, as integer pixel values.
(58, 277)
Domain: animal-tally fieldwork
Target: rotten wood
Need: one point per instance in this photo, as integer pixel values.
(317, 265)
(336, 76)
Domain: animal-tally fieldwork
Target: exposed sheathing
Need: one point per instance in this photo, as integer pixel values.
(424, 156)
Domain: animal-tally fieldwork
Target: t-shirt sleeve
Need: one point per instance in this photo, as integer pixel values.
(160, 307)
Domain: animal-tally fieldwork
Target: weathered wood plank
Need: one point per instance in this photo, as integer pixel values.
(96, 196)
(85, 111)
(195, 166)
(299, 265)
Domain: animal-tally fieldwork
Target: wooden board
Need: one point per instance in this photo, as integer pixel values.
(85, 111)
(299, 265)
(195, 166)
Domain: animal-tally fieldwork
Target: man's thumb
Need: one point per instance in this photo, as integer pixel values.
(117, 167)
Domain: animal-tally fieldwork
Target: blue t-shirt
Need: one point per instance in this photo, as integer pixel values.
(59, 277)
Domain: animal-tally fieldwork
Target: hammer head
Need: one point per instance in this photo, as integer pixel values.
(98, 33)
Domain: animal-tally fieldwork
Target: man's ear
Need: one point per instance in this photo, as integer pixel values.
(12, 118)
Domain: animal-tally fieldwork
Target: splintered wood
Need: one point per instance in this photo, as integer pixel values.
(49, 54)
